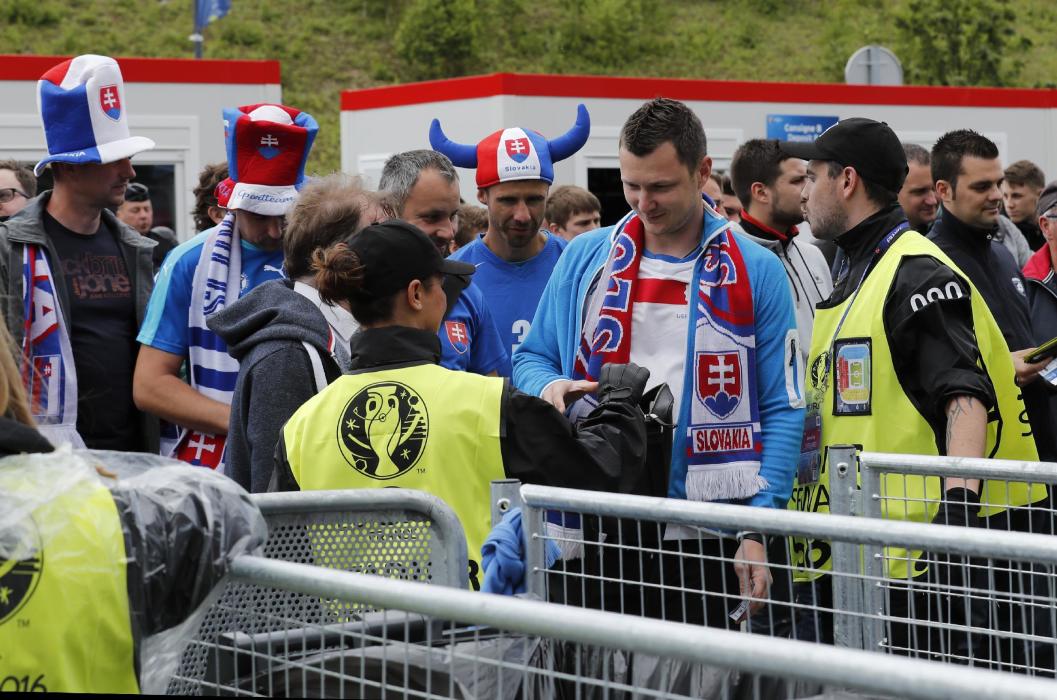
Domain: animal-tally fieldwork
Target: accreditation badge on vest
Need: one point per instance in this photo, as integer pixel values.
(852, 378)
(809, 466)
(383, 430)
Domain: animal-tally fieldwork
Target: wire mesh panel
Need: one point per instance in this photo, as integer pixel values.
(982, 611)
(394, 533)
(993, 611)
(392, 653)
(445, 643)
(969, 596)
(1014, 496)
(634, 566)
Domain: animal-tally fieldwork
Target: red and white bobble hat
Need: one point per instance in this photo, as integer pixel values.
(267, 147)
(82, 104)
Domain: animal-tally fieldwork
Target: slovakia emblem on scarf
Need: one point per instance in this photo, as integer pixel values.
(518, 149)
(110, 99)
(719, 382)
(458, 336)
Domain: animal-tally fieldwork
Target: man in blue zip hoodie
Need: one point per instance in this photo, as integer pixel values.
(673, 288)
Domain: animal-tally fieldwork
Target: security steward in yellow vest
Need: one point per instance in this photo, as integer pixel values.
(90, 565)
(399, 419)
(905, 358)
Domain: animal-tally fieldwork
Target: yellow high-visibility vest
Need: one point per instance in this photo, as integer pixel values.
(852, 383)
(421, 427)
(64, 608)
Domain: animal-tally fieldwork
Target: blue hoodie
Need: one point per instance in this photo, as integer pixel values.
(549, 350)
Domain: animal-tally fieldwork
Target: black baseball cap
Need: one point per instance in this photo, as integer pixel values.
(137, 192)
(869, 146)
(393, 253)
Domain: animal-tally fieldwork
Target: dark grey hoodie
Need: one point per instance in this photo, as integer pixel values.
(264, 331)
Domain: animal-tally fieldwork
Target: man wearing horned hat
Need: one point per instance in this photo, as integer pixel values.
(514, 257)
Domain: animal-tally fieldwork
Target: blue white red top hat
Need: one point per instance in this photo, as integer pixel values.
(267, 148)
(514, 153)
(82, 104)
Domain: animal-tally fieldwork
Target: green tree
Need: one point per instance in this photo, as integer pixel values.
(606, 36)
(960, 42)
(438, 39)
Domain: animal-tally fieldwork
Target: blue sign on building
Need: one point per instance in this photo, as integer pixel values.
(797, 127)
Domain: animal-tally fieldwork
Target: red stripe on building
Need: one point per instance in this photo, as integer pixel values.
(657, 291)
(156, 70)
(585, 87)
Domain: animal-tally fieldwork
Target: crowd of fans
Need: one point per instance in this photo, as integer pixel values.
(318, 334)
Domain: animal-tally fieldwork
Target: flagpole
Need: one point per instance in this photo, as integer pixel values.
(206, 11)
(197, 37)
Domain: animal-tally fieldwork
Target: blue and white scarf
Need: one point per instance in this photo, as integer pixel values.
(48, 372)
(719, 440)
(212, 371)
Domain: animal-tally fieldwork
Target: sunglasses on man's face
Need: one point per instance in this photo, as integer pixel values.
(8, 193)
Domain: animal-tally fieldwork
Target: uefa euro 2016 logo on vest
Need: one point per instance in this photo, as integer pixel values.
(21, 563)
(383, 430)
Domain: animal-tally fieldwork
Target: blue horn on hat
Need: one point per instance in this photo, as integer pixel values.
(574, 139)
(462, 155)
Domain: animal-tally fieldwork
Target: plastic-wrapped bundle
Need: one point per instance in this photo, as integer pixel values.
(99, 550)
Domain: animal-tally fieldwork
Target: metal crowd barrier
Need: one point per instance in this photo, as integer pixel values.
(1016, 597)
(442, 642)
(398, 533)
(979, 597)
(392, 533)
(885, 477)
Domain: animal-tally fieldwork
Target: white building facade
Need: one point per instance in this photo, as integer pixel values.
(378, 122)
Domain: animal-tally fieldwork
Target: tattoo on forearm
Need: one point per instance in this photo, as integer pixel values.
(957, 408)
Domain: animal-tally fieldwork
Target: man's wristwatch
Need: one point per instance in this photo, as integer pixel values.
(749, 535)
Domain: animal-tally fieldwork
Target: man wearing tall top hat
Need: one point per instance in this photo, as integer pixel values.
(77, 280)
(515, 256)
(267, 146)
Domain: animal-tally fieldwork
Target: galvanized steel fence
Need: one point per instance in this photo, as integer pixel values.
(437, 642)
(980, 597)
(1011, 602)
(886, 486)
(393, 533)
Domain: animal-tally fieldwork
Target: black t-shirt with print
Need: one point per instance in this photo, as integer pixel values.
(102, 318)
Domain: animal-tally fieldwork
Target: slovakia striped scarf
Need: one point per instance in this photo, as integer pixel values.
(718, 439)
(212, 371)
(48, 372)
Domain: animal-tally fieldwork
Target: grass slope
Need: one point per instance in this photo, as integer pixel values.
(329, 45)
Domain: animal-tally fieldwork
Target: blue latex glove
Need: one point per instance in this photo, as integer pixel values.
(503, 556)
